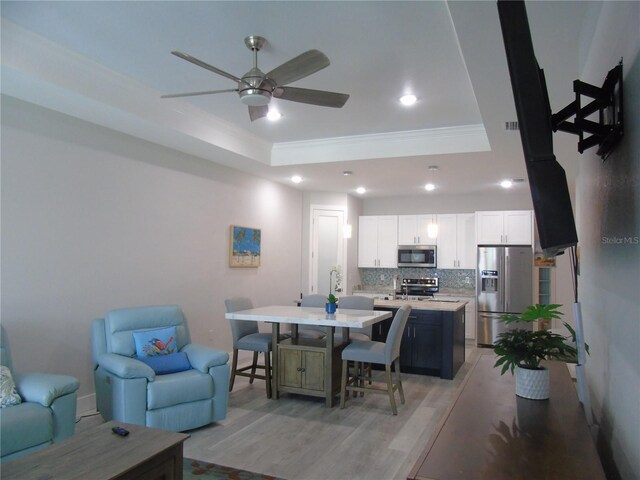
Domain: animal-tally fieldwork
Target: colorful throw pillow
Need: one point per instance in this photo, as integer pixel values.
(150, 343)
(172, 363)
(8, 393)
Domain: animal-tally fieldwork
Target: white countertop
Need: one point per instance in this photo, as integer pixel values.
(421, 304)
(311, 316)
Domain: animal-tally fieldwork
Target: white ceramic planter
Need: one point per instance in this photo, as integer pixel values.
(532, 384)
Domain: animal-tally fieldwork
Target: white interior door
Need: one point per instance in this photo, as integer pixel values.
(327, 248)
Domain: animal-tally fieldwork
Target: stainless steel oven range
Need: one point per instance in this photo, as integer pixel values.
(418, 288)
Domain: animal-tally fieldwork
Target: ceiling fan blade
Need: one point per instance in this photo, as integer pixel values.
(193, 94)
(313, 97)
(202, 64)
(258, 112)
(299, 67)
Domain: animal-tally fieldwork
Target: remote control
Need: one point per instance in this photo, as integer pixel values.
(120, 431)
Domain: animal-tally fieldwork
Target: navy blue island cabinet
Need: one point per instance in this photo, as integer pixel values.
(432, 342)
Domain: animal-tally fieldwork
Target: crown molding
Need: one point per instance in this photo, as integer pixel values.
(435, 141)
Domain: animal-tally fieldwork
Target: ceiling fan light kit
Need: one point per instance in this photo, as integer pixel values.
(255, 97)
(256, 88)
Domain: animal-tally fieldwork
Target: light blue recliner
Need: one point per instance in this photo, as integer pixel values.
(47, 413)
(128, 390)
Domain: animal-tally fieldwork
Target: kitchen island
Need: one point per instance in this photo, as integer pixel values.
(434, 338)
(309, 366)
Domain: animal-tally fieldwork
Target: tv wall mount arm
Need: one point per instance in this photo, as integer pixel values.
(607, 101)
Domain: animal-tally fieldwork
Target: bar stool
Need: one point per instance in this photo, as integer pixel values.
(385, 353)
(246, 336)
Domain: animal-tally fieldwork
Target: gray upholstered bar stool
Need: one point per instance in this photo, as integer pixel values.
(309, 331)
(385, 353)
(357, 302)
(246, 336)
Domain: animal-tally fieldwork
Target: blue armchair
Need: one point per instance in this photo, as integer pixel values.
(128, 390)
(46, 414)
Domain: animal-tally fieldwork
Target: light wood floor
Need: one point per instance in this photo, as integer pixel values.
(298, 438)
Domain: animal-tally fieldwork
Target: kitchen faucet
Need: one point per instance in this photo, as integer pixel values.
(395, 286)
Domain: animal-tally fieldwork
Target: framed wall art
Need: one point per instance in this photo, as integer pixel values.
(244, 247)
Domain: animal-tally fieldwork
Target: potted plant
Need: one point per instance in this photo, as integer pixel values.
(331, 306)
(521, 351)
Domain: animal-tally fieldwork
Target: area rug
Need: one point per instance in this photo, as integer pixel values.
(192, 469)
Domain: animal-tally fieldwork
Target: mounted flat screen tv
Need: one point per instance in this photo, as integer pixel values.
(547, 179)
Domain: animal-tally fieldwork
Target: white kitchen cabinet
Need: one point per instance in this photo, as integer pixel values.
(414, 229)
(518, 227)
(456, 241)
(509, 227)
(378, 241)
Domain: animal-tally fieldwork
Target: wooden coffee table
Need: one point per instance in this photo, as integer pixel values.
(98, 453)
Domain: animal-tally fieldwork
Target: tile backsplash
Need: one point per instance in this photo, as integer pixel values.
(448, 278)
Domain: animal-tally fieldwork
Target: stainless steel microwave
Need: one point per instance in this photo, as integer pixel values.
(417, 256)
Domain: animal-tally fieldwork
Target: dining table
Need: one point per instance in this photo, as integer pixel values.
(309, 366)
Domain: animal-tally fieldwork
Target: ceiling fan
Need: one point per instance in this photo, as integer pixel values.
(256, 88)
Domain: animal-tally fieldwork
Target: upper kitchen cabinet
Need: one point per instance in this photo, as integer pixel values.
(509, 227)
(456, 241)
(378, 241)
(414, 229)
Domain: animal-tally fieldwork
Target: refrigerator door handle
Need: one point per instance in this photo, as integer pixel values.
(507, 294)
(500, 284)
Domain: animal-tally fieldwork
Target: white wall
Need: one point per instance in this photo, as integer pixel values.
(608, 212)
(94, 220)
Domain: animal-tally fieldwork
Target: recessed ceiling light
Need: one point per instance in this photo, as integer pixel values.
(274, 115)
(296, 179)
(429, 187)
(346, 173)
(433, 168)
(408, 99)
(361, 190)
(506, 183)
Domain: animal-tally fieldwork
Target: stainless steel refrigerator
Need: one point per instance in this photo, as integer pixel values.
(504, 285)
